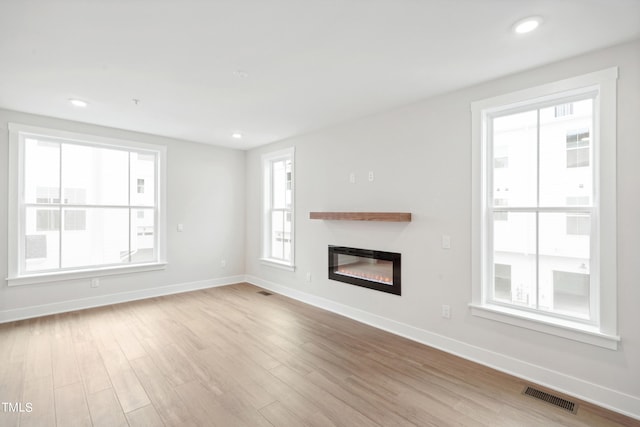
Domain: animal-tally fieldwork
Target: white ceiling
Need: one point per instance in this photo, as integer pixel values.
(308, 63)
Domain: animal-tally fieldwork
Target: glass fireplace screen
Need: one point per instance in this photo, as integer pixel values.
(364, 267)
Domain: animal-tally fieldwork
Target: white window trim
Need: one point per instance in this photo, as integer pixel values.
(278, 264)
(32, 279)
(266, 195)
(14, 242)
(604, 333)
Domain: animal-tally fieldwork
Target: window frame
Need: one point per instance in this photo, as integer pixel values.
(267, 207)
(603, 330)
(17, 134)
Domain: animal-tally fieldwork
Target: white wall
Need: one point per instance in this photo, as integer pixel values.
(421, 157)
(205, 193)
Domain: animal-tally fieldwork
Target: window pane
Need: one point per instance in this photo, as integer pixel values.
(42, 239)
(514, 162)
(563, 110)
(502, 282)
(47, 219)
(142, 235)
(281, 176)
(42, 171)
(578, 224)
(500, 216)
(75, 219)
(501, 162)
(571, 293)
(287, 236)
(281, 235)
(514, 244)
(100, 176)
(104, 240)
(277, 235)
(143, 170)
(563, 252)
(565, 150)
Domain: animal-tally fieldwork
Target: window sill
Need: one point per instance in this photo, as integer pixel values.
(83, 274)
(563, 328)
(278, 264)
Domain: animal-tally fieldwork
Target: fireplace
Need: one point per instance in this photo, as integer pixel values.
(364, 267)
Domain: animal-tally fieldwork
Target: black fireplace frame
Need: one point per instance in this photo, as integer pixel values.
(394, 257)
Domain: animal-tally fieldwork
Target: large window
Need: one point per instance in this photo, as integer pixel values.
(278, 214)
(76, 204)
(546, 258)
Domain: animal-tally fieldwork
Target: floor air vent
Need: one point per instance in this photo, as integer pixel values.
(550, 398)
(265, 293)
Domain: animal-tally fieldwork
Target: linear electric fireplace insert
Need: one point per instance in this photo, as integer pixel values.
(364, 267)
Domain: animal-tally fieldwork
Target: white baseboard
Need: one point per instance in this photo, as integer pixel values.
(584, 390)
(83, 303)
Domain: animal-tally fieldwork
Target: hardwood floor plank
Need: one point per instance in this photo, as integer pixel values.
(71, 406)
(38, 391)
(172, 362)
(94, 374)
(161, 393)
(145, 417)
(65, 365)
(378, 409)
(130, 345)
(130, 392)
(18, 349)
(302, 407)
(105, 409)
(336, 410)
(11, 387)
(205, 407)
(279, 416)
(37, 360)
(245, 376)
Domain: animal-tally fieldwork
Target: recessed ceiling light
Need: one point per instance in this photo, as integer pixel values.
(241, 73)
(527, 25)
(78, 103)
(236, 135)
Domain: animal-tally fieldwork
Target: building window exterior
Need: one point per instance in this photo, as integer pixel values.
(546, 256)
(578, 225)
(503, 215)
(47, 220)
(75, 201)
(563, 110)
(278, 208)
(75, 220)
(578, 148)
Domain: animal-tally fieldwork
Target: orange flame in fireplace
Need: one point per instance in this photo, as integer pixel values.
(364, 275)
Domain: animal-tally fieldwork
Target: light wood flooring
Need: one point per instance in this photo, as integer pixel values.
(230, 357)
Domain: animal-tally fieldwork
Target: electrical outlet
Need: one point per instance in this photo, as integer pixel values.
(95, 283)
(446, 311)
(223, 263)
(352, 177)
(371, 176)
(446, 242)
(308, 277)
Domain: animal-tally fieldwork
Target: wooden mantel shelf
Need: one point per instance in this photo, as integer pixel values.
(362, 216)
